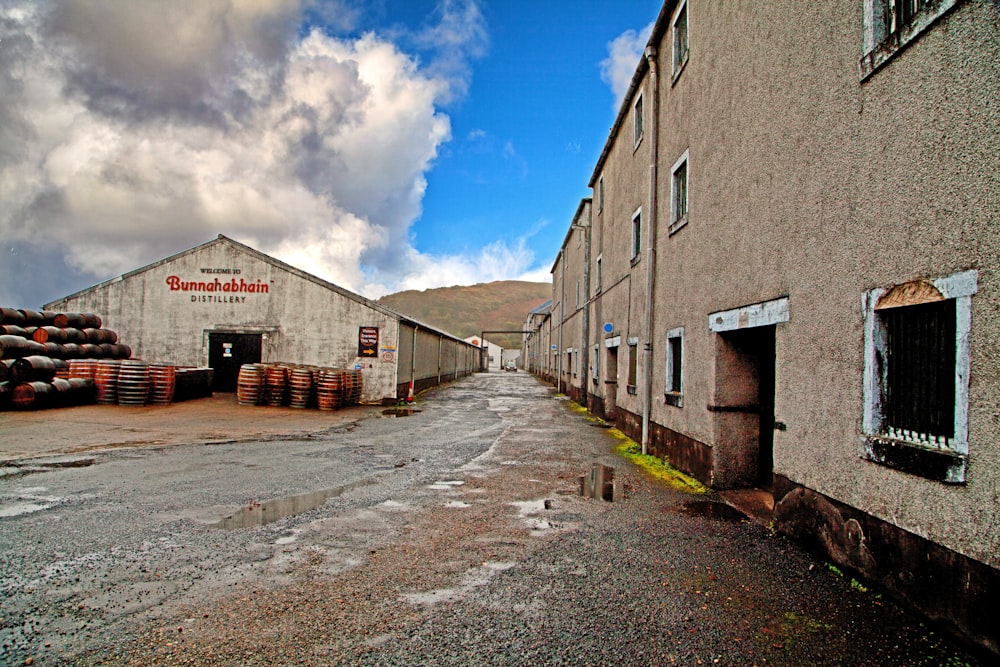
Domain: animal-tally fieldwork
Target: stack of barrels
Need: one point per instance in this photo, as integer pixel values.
(50, 359)
(297, 386)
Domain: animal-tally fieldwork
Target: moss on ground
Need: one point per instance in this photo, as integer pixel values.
(630, 450)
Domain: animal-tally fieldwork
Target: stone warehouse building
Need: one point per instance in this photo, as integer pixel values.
(223, 304)
(789, 279)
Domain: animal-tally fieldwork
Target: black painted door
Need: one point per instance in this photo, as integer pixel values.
(227, 352)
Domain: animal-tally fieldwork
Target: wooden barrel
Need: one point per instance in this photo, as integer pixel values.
(250, 384)
(5, 365)
(72, 351)
(83, 368)
(328, 386)
(6, 393)
(106, 379)
(75, 391)
(32, 396)
(300, 387)
(51, 334)
(13, 330)
(133, 383)
(32, 318)
(54, 350)
(33, 369)
(276, 385)
(11, 316)
(91, 351)
(77, 320)
(13, 347)
(162, 382)
(98, 336)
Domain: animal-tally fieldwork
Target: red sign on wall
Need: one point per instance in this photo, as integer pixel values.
(367, 341)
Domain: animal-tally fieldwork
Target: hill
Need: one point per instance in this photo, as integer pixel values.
(469, 310)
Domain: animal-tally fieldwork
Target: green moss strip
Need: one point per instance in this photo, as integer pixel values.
(630, 450)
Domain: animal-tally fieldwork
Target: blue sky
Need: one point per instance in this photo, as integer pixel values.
(380, 144)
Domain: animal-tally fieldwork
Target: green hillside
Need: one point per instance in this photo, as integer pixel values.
(469, 310)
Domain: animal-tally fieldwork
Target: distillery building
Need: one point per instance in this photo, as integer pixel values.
(223, 304)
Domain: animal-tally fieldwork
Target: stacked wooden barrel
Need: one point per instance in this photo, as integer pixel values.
(298, 386)
(50, 359)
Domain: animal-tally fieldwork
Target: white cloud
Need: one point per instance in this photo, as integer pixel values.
(129, 131)
(624, 53)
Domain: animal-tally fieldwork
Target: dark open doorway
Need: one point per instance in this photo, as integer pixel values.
(744, 407)
(227, 352)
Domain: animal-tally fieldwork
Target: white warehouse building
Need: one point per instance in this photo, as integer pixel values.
(223, 304)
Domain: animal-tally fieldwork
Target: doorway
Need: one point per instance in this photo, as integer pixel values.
(744, 407)
(611, 384)
(227, 352)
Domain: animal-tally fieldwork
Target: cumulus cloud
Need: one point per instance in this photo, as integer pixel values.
(129, 131)
(624, 53)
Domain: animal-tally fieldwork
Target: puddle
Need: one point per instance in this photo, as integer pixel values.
(21, 508)
(399, 412)
(472, 579)
(457, 504)
(445, 486)
(258, 514)
(712, 510)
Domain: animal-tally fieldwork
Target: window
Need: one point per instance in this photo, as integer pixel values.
(636, 234)
(675, 357)
(577, 293)
(597, 274)
(633, 364)
(890, 25)
(678, 194)
(637, 120)
(680, 30)
(600, 194)
(917, 376)
(596, 370)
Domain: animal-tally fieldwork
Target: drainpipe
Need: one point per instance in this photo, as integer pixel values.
(647, 359)
(585, 315)
(562, 318)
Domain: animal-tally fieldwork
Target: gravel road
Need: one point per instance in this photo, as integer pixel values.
(451, 536)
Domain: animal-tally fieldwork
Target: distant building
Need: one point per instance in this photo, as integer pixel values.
(536, 355)
(794, 280)
(223, 304)
(493, 353)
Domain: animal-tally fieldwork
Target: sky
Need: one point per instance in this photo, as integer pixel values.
(382, 145)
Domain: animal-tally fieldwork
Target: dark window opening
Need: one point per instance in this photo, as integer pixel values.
(920, 371)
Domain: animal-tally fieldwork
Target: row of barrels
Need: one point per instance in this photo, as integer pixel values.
(40, 382)
(31, 318)
(13, 347)
(298, 386)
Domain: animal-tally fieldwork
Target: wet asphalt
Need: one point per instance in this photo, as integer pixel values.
(453, 535)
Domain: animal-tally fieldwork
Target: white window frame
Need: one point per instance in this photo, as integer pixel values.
(673, 396)
(880, 46)
(679, 59)
(636, 234)
(676, 219)
(960, 287)
(637, 121)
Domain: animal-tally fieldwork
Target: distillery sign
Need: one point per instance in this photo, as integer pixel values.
(226, 289)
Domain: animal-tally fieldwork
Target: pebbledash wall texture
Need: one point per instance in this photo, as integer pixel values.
(794, 279)
(223, 303)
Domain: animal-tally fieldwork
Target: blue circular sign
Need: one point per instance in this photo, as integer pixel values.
(608, 327)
